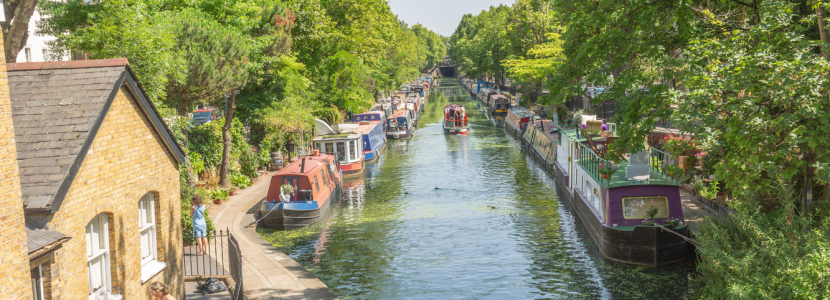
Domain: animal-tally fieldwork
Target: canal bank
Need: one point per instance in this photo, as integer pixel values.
(493, 229)
(268, 273)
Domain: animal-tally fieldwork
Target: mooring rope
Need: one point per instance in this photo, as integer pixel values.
(688, 239)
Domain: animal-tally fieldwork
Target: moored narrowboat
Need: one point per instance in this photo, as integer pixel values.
(345, 143)
(416, 107)
(455, 119)
(498, 104)
(316, 183)
(374, 139)
(540, 142)
(399, 125)
(614, 205)
(517, 119)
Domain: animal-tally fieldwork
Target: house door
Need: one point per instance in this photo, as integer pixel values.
(294, 182)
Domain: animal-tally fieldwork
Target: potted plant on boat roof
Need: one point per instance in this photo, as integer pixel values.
(607, 169)
(650, 214)
(219, 195)
(286, 190)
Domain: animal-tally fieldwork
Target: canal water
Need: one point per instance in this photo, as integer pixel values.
(416, 225)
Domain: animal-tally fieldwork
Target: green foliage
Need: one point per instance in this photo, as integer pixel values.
(287, 189)
(206, 140)
(197, 162)
(240, 181)
(219, 194)
(436, 49)
(214, 56)
(707, 190)
(249, 162)
(749, 255)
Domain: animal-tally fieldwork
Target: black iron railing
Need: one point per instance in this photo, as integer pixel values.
(222, 257)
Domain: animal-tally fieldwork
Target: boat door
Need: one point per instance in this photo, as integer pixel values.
(294, 182)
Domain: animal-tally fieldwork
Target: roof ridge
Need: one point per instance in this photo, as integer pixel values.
(72, 64)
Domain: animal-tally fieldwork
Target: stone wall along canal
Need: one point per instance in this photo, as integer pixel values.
(394, 236)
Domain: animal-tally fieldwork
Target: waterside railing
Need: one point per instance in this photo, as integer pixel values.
(664, 169)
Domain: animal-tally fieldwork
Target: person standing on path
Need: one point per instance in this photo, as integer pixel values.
(160, 291)
(197, 211)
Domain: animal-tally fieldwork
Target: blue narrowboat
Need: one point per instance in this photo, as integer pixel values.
(400, 124)
(374, 138)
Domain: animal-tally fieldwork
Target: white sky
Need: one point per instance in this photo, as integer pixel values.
(441, 16)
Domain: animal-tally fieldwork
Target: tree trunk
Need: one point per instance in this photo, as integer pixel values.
(16, 29)
(805, 209)
(226, 138)
(821, 14)
(183, 110)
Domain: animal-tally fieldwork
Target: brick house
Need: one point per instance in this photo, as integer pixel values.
(98, 183)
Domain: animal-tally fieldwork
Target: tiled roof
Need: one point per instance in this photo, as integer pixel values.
(54, 111)
(56, 106)
(42, 238)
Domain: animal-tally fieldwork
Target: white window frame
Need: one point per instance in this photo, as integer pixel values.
(37, 285)
(102, 221)
(27, 53)
(147, 225)
(150, 266)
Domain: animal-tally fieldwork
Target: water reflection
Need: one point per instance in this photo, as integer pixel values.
(393, 235)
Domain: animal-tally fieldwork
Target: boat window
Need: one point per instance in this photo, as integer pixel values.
(341, 151)
(316, 184)
(353, 150)
(636, 207)
(331, 171)
(323, 174)
(329, 148)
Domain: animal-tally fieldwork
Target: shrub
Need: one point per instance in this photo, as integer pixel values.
(219, 194)
(197, 162)
(240, 181)
(764, 256)
(249, 163)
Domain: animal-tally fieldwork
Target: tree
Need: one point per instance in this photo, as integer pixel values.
(15, 27)
(216, 61)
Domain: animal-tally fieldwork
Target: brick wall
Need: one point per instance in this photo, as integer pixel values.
(14, 262)
(126, 161)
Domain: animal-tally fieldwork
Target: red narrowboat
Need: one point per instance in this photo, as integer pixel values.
(315, 182)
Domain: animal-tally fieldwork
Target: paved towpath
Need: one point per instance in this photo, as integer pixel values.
(695, 212)
(268, 273)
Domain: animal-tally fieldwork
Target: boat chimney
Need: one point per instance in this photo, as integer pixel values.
(302, 166)
(316, 152)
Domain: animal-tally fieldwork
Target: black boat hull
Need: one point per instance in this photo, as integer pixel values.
(645, 245)
(289, 219)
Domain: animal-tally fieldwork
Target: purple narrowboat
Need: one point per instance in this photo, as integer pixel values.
(630, 204)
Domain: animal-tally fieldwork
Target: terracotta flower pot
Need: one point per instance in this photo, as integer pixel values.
(217, 201)
(231, 193)
(604, 176)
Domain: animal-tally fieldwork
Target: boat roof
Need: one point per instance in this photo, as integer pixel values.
(520, 111)
(342, 136)
(312, 164)
(454, 105)
(399, 113)
(367, 126)
(498, 96)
